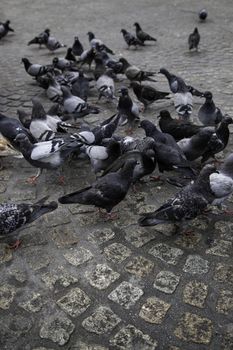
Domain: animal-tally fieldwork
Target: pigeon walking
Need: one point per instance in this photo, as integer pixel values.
(130, 39)
(141, 35)
(15, 216)
(208, 113)
(106, 192)
(105, 85)
(194, 39)
(34, 69)
(147, 94)
(133, 73)
(80, 86)
(41, 38)
(128, 110)
(187, 204)
(53, 91)
(5, 28)
(77, 47)
(53, 44)
(94, 42)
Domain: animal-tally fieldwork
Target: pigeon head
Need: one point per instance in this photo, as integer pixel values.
(8, 26)
(208, 95)
(123, 31)
(123, 91)
(66, 92)
(47, 31)
(164, 72)
(205, 172)
(227, 167)
(137, 25)
(38, 111)
(55, 61)
(26, 63)
(21, 139)
(203, 14)
(227, 120)
(90, 35)
(110, 73)
(124, 62)
(76, 38)
(148, 127)
(164, 114)
(134, 84)
(195, 30)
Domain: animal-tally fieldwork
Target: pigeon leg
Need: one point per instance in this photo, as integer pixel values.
(107, 216)
(32, 179)
(15, 245)
(61, 180)
(155, 178)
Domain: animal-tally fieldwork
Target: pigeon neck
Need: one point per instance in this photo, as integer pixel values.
(127, 171)
(38, 112)
(27, 64)
(227, 168)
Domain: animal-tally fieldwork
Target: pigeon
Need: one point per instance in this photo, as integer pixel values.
(134, 73)
(24, 118)
(141, 35)
(208, 113)
(80, 86)
(194, 39)
(106, 192)
(187, 204)
(130, 39)
(62, 63)
(182, 96)
(195, 146)
(203, 14)
(105, 85)
(15, 216)
(35, 70)
(44, 126)
(53, 44)
(77, 47)
(47, 154)
(218, 144)
(178, 129)
(143, 145)
(147, 94)
(11, 127)
(41, 38)
(5, 28)
(106, 129)
(71, 103)
(99, 66)
(101, 157)
(93, 42)
(221, 182)
(87, 57)
(128, 110)
(117, 66)
(146, 163)
(169, 155)
(53, 91)
(69, 55)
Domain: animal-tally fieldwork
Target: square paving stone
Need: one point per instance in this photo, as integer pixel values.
(139, 266)
(224, 273)
(195, 293)
(188, 241)
(154, 310)
(64, 235)
(166, 253)
(117, 252)
(101, 236)
(225, 229)
(131, 338)
(34, 304)
(75, 302)
(102, 321)
(7, 294)
(37, 258)
(220, 248)
(78, 256)
(195, 264)
(166, 281)
(13, 328)
(126, 294)
(57, 328)
(138, 237)
(102, 276)
(225, 302)
(194, 328)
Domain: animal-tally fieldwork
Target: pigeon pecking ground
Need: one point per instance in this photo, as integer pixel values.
(78, 282)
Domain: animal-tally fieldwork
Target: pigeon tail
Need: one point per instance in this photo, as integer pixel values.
(40, 208)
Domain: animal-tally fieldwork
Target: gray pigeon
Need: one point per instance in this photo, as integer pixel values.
(187, 204)
(133, 73)
(106, 192)
(141, 35)
(71, 103)
(130, 39)
(94, 42)
(5, 28)
(53, 91)
(208, 113)
(15, 216)
(221, 182)
(35, 70)
(53, 44)
(41, 38)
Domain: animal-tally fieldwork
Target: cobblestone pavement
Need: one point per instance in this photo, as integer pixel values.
(78, 282)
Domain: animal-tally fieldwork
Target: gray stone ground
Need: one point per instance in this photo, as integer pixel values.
(78, 282)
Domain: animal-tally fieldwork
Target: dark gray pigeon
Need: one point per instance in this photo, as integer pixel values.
(106, 192)
(70, 56)
(141, 35)
(5, 28)
(15, 216)
(87, 57)
(77, 47)
(147, 94)
(128, 110)
(53, 91)
(130, 39)
(80, 86)
(194, 39)
(208, 113)
(187, 204)
(41, 38)
(203, 14)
